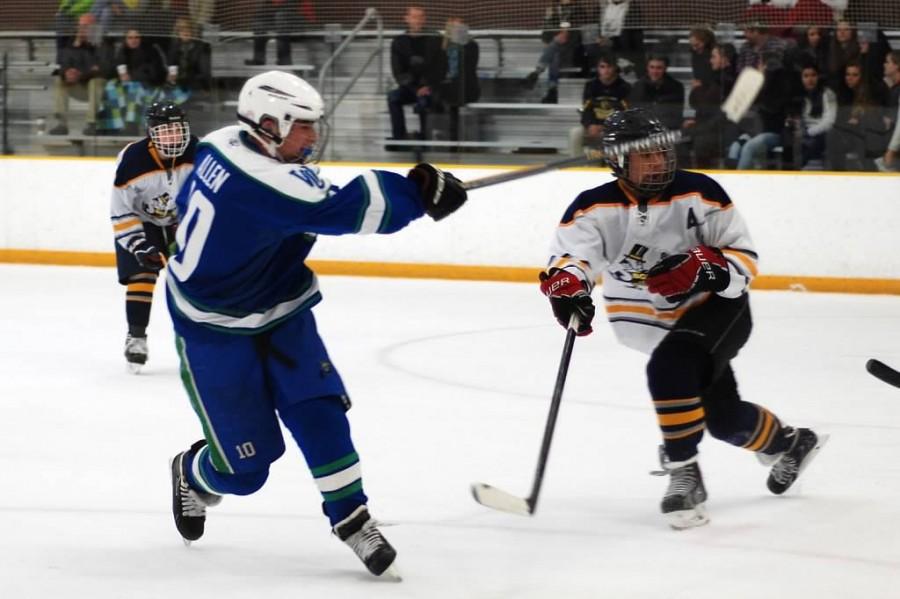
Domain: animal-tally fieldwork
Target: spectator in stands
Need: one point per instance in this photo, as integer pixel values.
(817, 115)
(889, 161)
(813, 48)
(283, 17)
(134, 83)
(773, 106)
(68, 19)
(606, 93)
(620, 35)
(660, 93)
(892, 77)
(758, 41)
(562, 44)
(859, 134)
(843, 49)
(460, 85)
(419, 64)
(873, 48)
(701, 41)
(711, 132)
(79, 77)
(188, 61)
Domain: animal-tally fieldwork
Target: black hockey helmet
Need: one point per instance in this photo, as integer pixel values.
(168, 128)
(637, 131)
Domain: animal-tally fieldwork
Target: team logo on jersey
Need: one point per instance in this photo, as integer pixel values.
(161, 207)
(308, 176)
(632, 268)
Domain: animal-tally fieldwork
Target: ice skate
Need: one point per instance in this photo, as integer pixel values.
(790, 465)
(684, 504)
(188, 504)
(360, 533)
(135, 353)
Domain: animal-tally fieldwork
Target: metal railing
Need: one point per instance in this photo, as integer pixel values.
(371, 15)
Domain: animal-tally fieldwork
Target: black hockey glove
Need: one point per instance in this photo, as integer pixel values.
(148, 256)
(678, 276)
(442, 193)
(568, 296)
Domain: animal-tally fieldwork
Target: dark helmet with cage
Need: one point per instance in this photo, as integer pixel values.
(638, 133)
(168, 129)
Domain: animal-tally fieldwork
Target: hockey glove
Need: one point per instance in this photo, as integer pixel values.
(678, 276)
(568, 295)
(149, 257)
(442, 193)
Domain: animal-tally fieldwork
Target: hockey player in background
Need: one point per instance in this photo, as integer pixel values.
(240, 295)
(676, 261)
(149, 174)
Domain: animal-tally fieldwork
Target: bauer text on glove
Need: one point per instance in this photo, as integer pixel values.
(678, 276)
(568, 295)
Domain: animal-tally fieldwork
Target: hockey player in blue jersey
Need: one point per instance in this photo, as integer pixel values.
(240, 296)
(149, 174)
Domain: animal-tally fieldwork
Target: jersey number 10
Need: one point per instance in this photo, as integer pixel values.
(190, 245)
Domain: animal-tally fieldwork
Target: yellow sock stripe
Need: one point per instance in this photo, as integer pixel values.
(763, 430)
(138, 287)
(679, 418)
(139, 298)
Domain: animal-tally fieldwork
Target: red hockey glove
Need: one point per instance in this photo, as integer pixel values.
(568, 295)
(678, 276)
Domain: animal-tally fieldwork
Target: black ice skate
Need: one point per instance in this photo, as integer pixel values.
(360, 533)
(684, 504)
(135, 353)
(188, 504)
(789, 465)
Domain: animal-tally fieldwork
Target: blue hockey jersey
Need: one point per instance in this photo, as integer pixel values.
(247, 224)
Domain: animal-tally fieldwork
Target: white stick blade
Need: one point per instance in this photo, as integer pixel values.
(499, 499)
(742, 95)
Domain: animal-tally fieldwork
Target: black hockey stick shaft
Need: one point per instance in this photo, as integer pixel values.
(591, 156)
(530, 171)
(883, 372)
(550, 427)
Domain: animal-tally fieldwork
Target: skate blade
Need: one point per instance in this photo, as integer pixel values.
(392, 574)
(823, 439)
(133, 367)
(187, 542)
(684, 519)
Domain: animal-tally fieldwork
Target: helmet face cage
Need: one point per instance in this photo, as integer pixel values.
(171, 139)
(656, 177)
(168, 129)
(637, 132)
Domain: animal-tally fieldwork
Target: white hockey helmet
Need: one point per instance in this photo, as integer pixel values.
(280, 96)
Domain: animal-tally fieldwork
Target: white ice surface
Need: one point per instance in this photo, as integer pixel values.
(451, 383)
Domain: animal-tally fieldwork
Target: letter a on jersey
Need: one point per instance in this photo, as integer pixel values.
(692, 219)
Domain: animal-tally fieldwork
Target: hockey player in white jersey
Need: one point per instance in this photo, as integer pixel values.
(240, 295)
(676, 261)
(149, 173)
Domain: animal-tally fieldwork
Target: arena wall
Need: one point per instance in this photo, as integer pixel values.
(813, 231)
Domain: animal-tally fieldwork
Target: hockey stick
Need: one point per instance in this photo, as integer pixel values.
(735, 106)
(882, 371)
(499, 499)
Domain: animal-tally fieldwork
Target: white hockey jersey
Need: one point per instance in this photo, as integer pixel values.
(608, 234)
(145, 188)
